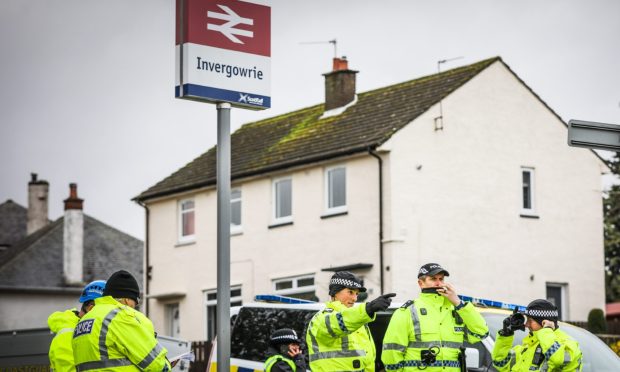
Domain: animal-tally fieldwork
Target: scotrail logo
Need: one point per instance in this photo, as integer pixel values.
(245, 98)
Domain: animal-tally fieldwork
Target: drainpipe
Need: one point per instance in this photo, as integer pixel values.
(372, 153)
(147, 270)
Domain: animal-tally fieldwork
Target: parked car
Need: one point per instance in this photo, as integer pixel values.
(253, 323)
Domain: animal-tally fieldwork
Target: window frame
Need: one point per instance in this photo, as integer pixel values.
(295, 285)
(327, 195)
(180, 213)
(531, 211)
(169, 310)
(274, 201)
(236, 229)
(234, 301)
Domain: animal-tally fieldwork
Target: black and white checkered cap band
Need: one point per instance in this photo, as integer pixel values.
(545, 314)
(345, 283)
(285, 337)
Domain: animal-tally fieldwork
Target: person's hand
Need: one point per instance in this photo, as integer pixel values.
(293, 350)
(548, 324)
(449, 292)
(174, 363)
(378, 304)
(506, 328)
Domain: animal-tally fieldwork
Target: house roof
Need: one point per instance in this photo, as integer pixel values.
(302, 136)
(13, 222)
(37, 260)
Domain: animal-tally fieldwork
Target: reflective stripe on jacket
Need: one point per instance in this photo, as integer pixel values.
(430, 321)
(557, 352)
(62, 323)
(275, 359)
(338, 339)
(116, 337)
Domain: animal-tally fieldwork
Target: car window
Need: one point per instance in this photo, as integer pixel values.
(597, 356)
(254, 325)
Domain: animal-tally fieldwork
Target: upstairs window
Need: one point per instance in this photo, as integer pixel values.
(282, 200)
(235, 210)
(186, 220)
(528, 205)
(336, 189)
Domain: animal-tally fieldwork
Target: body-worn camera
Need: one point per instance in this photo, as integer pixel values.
(429, 356)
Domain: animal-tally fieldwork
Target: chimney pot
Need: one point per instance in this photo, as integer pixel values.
(73, 202)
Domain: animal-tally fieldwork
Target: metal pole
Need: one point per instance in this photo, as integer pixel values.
(223, 237)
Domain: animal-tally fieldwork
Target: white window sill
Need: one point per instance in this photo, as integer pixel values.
(279, 223)
(185, 242)
(335, 212)
(529, 214)
(238, 230)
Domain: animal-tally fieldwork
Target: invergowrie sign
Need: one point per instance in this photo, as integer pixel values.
(223, 52)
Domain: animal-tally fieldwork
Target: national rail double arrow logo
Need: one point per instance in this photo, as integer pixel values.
(232, 19)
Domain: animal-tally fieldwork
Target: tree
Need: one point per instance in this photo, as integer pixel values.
(611, 213)
(596, 321)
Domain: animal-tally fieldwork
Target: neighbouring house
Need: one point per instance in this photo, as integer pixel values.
(45, 264)
(467, 167)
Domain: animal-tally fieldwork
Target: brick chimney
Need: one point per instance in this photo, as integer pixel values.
(38, 191)
(339, 84)
(73, 238)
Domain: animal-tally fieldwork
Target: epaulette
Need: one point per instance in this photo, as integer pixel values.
(328, 309)
(407, 304)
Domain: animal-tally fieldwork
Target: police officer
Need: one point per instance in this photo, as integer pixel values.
(284, 352)
(338, 337)
(546, 348)
(427, 333)
(116, 336)
(63, 323)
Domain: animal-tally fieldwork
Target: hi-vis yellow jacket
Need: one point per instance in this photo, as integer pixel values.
(430, 321)
(339, 340)
(62, 323)
(116, 337)
(542, 350)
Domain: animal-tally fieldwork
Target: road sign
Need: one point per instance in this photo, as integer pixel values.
(223, 52)
(594, 135)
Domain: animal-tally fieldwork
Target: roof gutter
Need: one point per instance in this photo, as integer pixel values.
(210, 182)
(147, 267)
(372, 153)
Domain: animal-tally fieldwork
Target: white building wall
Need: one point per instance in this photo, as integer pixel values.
(456, 197)
(261, 254)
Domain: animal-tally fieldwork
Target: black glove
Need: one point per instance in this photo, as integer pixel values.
(515, 322)
(378, 304)
(506, 330)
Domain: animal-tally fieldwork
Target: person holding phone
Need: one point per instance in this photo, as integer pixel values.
(427, 333)
(284, 352)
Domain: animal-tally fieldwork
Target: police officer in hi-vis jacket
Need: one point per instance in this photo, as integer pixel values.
(427, 333)
(338, 337)
(114, 336)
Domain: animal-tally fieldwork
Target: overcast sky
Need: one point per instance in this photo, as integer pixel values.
(87, 87)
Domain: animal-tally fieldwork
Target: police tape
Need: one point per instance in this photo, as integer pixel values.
(491, 303)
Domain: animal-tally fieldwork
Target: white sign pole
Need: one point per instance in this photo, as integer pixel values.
(223, 237)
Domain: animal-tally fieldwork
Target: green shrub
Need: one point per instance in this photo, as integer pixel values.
(596, 321)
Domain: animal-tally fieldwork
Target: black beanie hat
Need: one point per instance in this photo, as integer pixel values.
(122, 284)
(540, 310)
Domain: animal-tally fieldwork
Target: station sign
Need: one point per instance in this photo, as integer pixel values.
(594, 135)
(223, 52)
